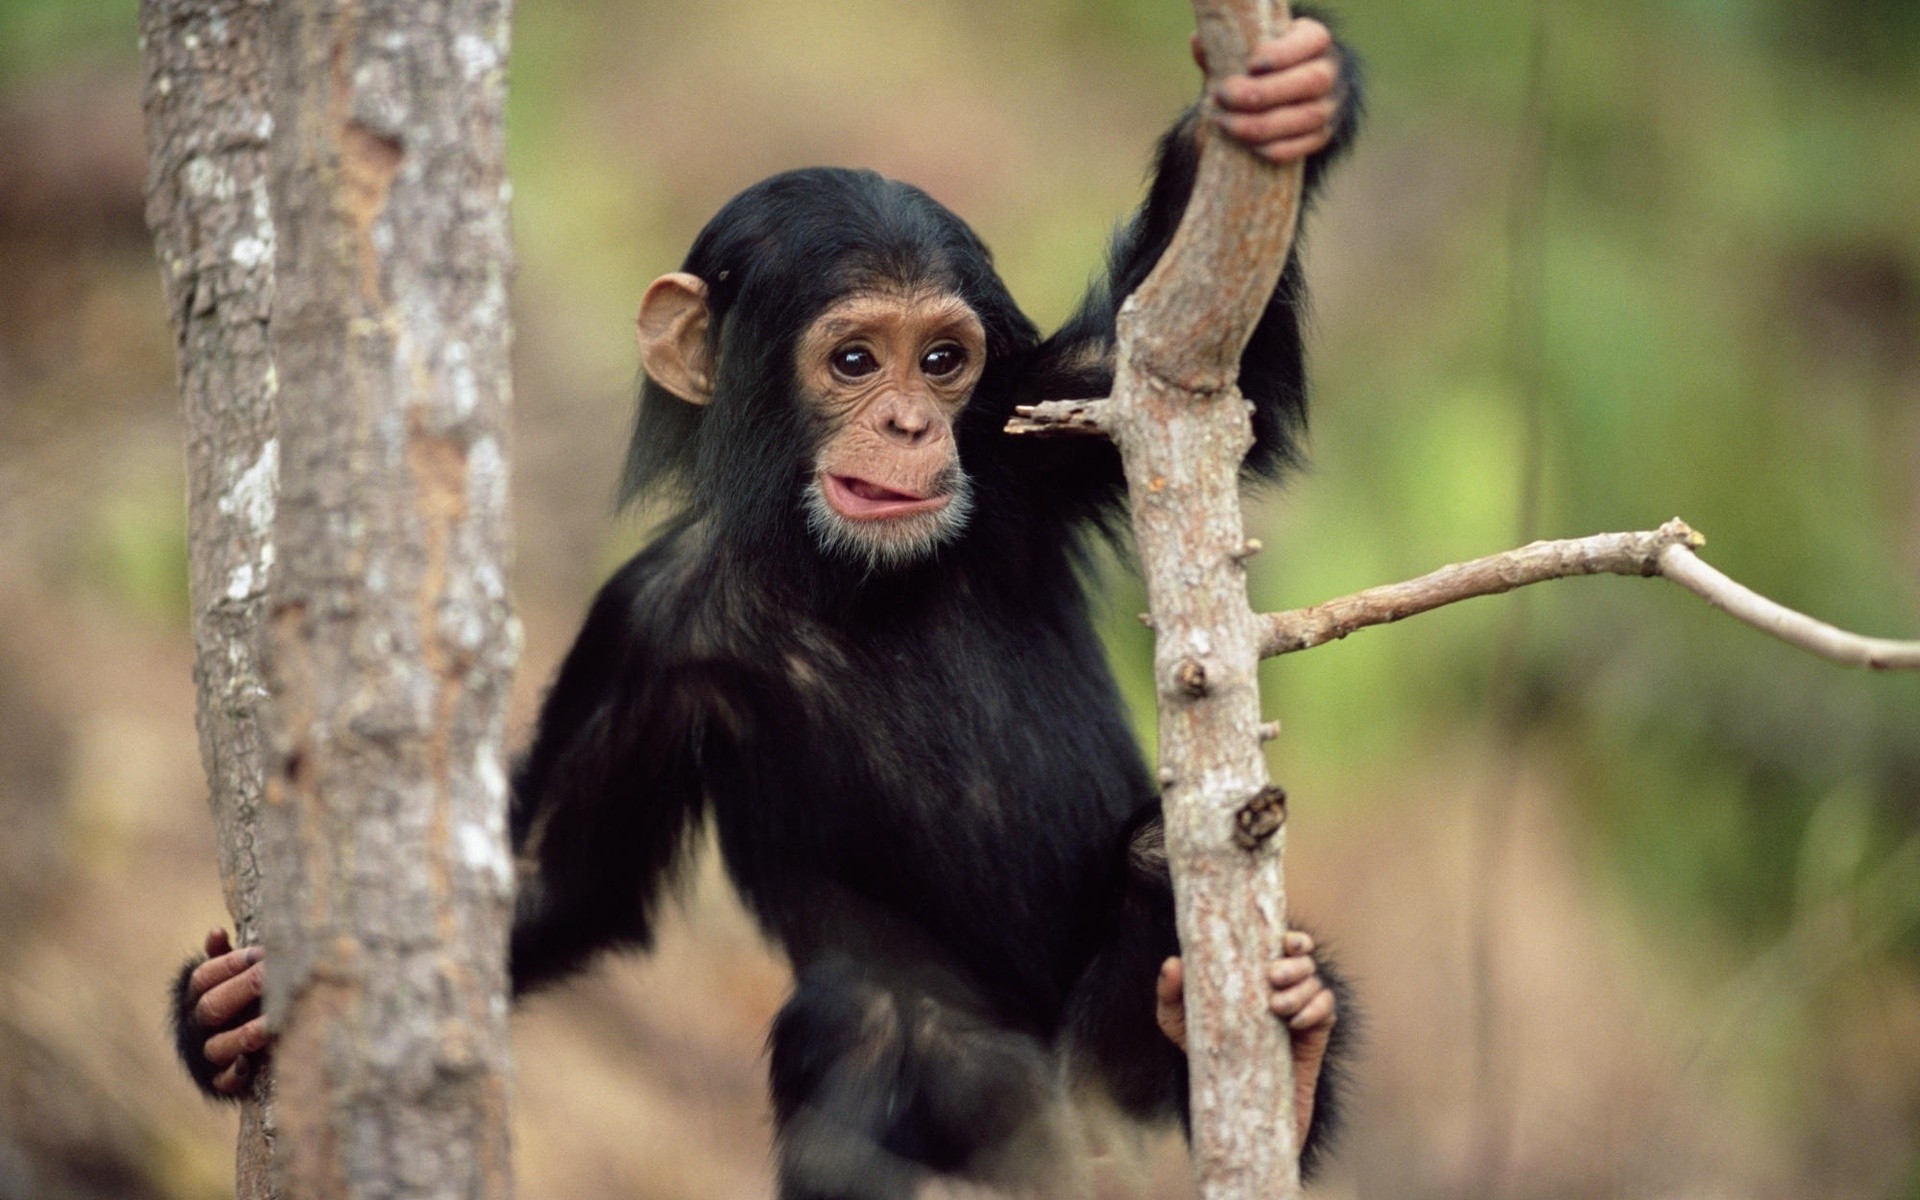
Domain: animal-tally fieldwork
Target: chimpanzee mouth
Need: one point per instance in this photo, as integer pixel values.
(864, 500)
(880, 526)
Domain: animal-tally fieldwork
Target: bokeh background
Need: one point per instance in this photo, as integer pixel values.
(1632, 894)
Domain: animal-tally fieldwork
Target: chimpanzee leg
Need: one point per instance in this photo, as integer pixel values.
(879, 1089)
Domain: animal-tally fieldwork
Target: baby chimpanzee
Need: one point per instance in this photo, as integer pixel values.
(862, 648)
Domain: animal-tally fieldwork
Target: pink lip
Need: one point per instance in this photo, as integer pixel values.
(862, 500)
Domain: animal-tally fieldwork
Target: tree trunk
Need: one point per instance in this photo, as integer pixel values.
(386, 871)
(383, 831)
(1183, 430)
(207, 129)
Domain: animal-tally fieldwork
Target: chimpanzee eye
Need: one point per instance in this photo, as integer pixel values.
(853, 362)
(943, 360)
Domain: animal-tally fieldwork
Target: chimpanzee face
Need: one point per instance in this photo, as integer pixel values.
(888, 372)
(884, 372)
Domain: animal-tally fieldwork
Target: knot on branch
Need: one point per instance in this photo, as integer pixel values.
(1674, 533)
(1190, 676)
(1260, 818)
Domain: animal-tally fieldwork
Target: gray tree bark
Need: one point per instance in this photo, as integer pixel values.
(386, 868)
(368, 840)
(1183, 429)
(207, 130)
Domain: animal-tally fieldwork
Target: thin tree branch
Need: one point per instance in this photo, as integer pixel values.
(1667, 551)
(1796, 629)
(1602, 554)
(1055, 418)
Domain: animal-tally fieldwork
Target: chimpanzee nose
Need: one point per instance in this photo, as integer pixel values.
(908, 424)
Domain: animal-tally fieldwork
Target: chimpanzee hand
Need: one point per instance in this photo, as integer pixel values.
(1300, 997)
(1287, 105)
(222, 1036)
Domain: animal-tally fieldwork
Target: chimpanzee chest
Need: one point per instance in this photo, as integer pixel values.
(972, 782)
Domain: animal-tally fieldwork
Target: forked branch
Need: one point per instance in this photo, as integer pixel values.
(1668, 552)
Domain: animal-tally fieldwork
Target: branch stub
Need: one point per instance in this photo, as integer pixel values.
(1190, 676)
(1260, 818)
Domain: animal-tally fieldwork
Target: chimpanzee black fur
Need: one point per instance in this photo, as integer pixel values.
(924, 782)
(189, 1038)
(923, 779)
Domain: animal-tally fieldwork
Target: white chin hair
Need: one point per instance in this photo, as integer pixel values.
(891, 541)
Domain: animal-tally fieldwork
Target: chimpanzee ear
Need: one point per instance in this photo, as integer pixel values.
(673, 336)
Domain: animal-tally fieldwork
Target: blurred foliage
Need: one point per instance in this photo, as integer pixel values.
(39, 36)
(1732, 332)
(136, 557)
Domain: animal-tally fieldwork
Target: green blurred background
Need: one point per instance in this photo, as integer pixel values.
(1632, 893)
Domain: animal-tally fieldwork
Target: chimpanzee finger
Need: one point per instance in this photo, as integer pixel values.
(1288, 1002)
(1313, 80)
(1305, 38)
(1170, 1007)
(1315, 1013)
(1289, 971)
(228, 1047)
(1294, 149)
(1297, 942)
(219, 1006)
(1279, 124)
(1169, 989)
(236, 1079)
(216, 971)
(218, 943)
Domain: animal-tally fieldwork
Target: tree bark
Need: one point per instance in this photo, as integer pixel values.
(385, 861)
(207, 130)
(1183, 430)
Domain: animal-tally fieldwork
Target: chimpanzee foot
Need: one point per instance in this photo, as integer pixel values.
(1298, 995)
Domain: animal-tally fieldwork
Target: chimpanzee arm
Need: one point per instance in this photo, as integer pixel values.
(605, 802)
(1077, 361)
